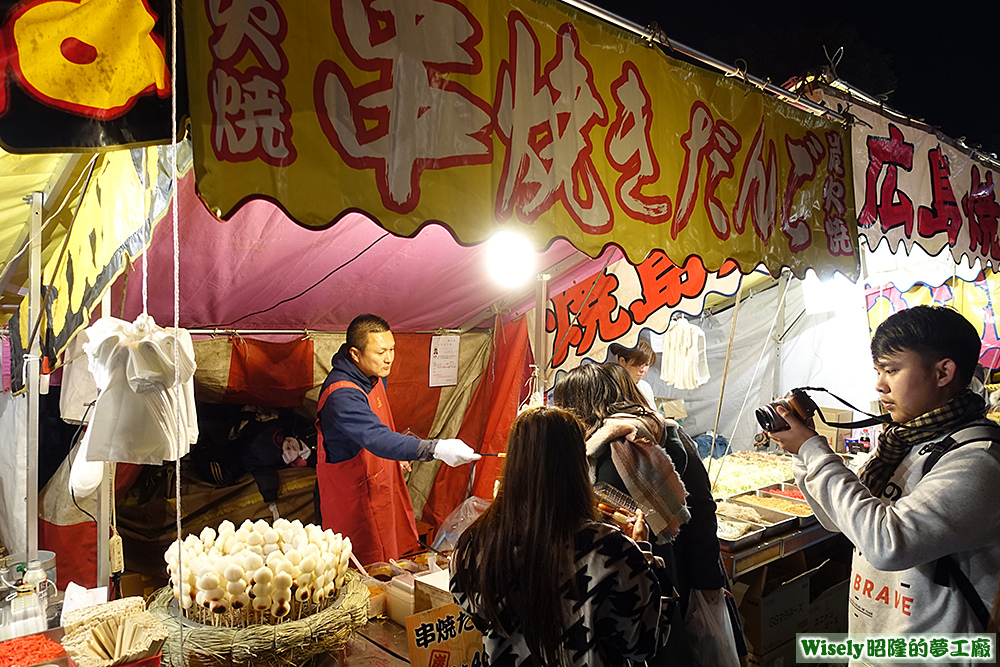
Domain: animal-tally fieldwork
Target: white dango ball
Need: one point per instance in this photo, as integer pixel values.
(280, 609)
(236, 587)
(233, 572)
(281, 595)
(227, 527)
(307, 564)
(263, 575)
(271, 548)
(242, 534)
(252, 562)
(207, 535)
(274, 559)
(247, 525)
(282, 580)
(208, 581)
(255, 539)
(261, 590)
(271, 536)
(293, 557)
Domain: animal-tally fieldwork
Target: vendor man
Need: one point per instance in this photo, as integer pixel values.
(361, 487)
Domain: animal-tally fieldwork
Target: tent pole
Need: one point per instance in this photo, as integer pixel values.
(780, 327)
(104, 498)
(541, 358)
(32, 364)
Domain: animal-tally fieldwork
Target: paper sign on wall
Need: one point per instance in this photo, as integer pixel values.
(444, 361)
(444, 637)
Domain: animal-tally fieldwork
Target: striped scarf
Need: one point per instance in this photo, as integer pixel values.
(647, 471)
(897, 439)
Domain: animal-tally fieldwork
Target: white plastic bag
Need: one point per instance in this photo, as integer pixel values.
(460, 518)
(709, 630)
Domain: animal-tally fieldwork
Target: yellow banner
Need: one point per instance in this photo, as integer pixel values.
(975, 299)
(109, 227)
(520, 114)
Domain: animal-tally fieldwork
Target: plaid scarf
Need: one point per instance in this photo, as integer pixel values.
(647, 471)
(897, 439)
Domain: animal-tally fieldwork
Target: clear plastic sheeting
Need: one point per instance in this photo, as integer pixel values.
(135, 418)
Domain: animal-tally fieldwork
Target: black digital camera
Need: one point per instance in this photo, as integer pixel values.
(797, 402)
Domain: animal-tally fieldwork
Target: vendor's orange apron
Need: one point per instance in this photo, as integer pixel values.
(365, 498)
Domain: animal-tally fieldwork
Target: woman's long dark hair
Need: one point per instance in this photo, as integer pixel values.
(594, 392)
(524, 541)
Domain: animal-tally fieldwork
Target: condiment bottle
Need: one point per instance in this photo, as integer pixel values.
(34, 576)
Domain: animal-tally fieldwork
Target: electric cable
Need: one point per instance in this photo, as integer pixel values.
(303, 292)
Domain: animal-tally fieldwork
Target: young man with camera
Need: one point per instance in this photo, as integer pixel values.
(923, 513)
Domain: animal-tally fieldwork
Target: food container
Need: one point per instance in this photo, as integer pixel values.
(378, 594)
(616, 507)
(773, 521)
(783, 488)
(400, 602)
(754, 534)
(801, 512)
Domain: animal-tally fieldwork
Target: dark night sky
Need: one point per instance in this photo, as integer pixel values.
(936, 62)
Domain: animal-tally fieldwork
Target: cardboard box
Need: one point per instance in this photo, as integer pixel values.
(431, 590)
(782, 656)
(141, 585)
(672, 407)
(835, 435)
(828, 597)
(776, 604)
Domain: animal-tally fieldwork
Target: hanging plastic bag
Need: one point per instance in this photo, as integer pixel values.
(709, 630)
(460, 518)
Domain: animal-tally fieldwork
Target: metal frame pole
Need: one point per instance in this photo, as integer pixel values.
(32, 364)
(541, 358)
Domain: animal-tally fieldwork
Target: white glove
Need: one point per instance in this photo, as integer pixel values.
(454, 452)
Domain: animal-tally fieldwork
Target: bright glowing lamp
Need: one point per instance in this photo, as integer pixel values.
(510, 259)
(835, 294)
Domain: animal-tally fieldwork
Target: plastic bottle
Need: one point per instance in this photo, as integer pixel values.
(34, 575)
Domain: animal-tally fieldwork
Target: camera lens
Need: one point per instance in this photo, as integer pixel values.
(766, 417)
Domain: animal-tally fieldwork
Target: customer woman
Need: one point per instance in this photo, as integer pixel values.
(640, 453)
(542, 579)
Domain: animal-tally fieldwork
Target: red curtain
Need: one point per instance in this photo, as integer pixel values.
(272, 374)
(414, 404)
(486, 425)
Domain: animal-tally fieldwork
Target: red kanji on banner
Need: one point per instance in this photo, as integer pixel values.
(805, 155)
(890, 204)
(942, 214)
(715, 143)
(665, 284)
(629, 146)
(599, 314)
(981, 208)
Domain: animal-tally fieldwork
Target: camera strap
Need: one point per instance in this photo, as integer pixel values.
(871, 421)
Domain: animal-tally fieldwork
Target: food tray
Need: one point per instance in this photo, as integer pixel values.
(753, 537)
(778, 523)
(783, 486)
(806, 520)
